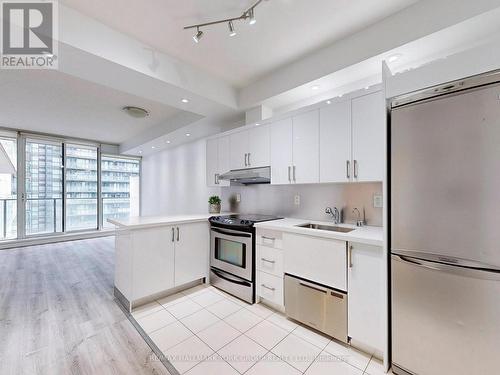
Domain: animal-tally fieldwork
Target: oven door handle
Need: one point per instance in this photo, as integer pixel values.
(230, 279)
(232, 234)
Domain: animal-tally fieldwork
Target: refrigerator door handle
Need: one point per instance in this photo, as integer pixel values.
(477, 273)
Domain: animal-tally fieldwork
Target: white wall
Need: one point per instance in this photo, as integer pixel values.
(173, 181)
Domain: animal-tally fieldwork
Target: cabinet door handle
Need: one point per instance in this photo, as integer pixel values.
(173, 234)
(267, 287)
(289, 178)
(216, 179)
(349, 256)
(355, 169)
(246, 164)
(268, 238)
(248, 158)
(348, 169)
(294, 180)
(178, 235)
(267, 260)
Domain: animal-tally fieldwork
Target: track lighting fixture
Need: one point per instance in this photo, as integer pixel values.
(198, 35)
(230, 25)
(248, 14)
(251, 15)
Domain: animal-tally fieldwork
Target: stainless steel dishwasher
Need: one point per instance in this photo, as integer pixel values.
(317, 306)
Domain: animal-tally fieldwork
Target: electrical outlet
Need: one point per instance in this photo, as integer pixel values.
(238, 198)
(296, 200)
(377, 200)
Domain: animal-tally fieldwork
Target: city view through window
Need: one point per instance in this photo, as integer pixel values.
(62, 188)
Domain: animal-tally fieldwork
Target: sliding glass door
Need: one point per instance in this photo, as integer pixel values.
(81, 188)
(49, 186)
(8, 188)
(43, 203)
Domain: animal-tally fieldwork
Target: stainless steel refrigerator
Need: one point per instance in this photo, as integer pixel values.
(445, 229)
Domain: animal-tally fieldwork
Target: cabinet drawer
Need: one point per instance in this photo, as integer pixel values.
(270, 260)
(270, 238)
(270, 287)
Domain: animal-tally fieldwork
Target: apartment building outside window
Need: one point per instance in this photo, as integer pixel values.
(65, 187)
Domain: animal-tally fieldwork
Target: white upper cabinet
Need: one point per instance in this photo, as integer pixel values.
(259, 153)
(281, 151)
(368, 132)
(239, 145)
(223, 158)
(212, 161)
(217, 160)
(335, 142)
(305, 168)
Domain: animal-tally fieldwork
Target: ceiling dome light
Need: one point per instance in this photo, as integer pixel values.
(188, 135)
(168, 142)
(328, 102)
(251, 15)
(198, 35)
(135, 112)
(184, 100)
(315, 87)
(230, 25)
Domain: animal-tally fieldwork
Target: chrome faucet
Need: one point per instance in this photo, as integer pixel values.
(335, 214)
(359, 222)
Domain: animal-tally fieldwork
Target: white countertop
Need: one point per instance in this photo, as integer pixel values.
(367, 234)
(136, 222)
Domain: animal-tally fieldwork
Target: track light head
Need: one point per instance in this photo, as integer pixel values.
(230, 25)
(198, 35)
(251, 15)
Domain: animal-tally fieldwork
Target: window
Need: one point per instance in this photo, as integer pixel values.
(44, 186)
(81, 187)
(63, 187)
(120, 188)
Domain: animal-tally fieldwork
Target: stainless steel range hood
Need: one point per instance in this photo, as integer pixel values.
(248, 176)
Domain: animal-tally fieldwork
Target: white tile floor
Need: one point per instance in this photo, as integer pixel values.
(205, 331)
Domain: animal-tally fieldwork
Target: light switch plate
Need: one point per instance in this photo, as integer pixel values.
(296, 200)
(377, 201)
(238, 197)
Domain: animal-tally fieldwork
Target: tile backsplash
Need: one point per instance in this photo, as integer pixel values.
(314, 198)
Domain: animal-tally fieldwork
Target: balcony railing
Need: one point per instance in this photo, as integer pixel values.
(44, 215)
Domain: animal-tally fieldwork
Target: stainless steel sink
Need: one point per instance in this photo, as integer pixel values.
(331, 228)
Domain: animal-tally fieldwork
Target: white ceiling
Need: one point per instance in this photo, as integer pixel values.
(56, 103)
(285, 31)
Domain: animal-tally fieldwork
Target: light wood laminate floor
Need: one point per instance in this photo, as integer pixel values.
(58, 315)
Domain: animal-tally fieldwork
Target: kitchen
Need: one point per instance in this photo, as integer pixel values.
(302, 220)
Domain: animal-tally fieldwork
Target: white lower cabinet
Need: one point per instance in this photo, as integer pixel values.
(366, 285)
(270, 287)
(317, 259)
(191, 252)
(153, 260)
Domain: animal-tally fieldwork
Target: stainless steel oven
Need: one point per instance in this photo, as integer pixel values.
(231, 262)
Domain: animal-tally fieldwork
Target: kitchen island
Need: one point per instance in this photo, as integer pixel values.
(157, 255)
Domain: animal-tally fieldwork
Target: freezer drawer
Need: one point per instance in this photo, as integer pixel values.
(445, 319)
(319, 307)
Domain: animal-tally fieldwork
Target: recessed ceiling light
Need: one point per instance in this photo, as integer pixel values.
(367, 87)
(341, 95)
(328, 102)
(140, 151)
(153, 147)
(188, 134)
(257, 124)
(394, 57)
(168, 142)
(135, 112)
(184, 100)
(315, 87)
